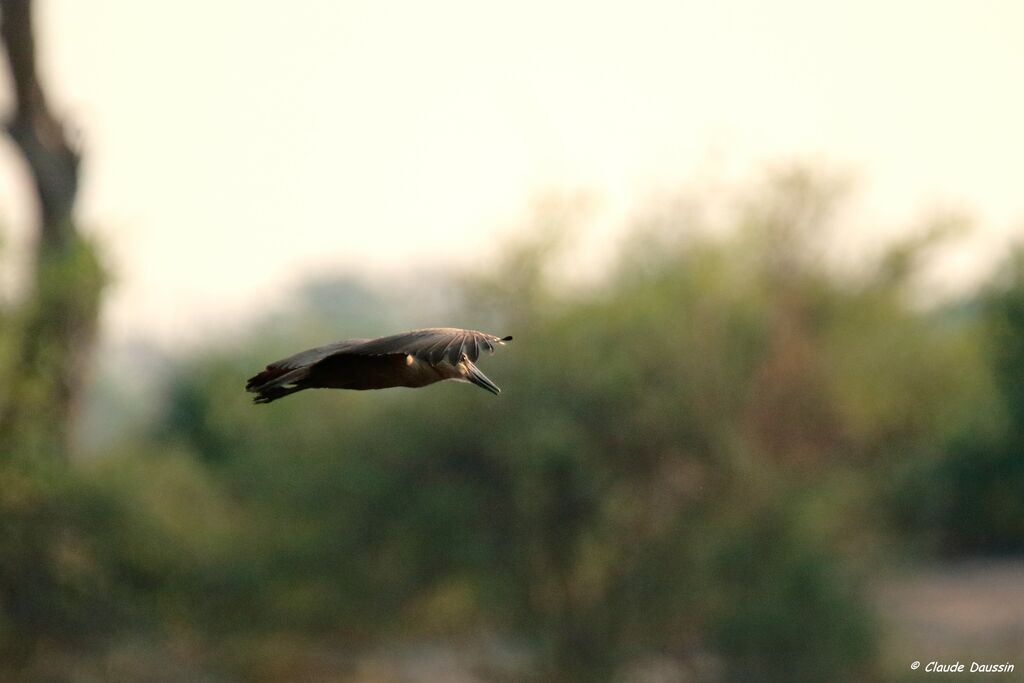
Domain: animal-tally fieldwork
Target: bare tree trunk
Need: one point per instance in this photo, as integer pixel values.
(58, 319)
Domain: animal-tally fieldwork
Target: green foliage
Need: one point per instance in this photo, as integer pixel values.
(700, 456)
(790, 609)
(639, 461)
(58, 582)
(971, 498)
(49, 340)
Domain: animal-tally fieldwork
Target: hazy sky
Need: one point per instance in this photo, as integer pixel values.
(234, 146)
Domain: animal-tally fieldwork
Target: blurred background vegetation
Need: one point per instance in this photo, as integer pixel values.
(700, 462)
(702, 467)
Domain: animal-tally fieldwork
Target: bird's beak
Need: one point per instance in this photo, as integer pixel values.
(478, 378)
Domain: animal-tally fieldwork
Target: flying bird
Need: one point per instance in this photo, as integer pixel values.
(409, 359)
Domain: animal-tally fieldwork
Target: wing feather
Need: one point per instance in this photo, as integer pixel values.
(431, 344)
(310, 356)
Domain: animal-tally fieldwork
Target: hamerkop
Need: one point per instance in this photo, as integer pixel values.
(410, 359)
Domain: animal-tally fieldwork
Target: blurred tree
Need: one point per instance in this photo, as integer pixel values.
(58, 319)
(647, 484)
(969, 497)
(686, 463)
(55, 580)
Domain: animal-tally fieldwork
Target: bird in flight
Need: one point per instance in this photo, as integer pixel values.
(409, 359)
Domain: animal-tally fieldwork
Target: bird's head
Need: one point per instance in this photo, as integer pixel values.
(469, 372)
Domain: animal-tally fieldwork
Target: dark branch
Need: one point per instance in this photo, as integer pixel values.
(40, 136)
(58, 320)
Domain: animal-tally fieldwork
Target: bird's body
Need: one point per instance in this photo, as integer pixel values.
(409, 359)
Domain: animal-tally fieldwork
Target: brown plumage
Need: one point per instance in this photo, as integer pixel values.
(409, 359)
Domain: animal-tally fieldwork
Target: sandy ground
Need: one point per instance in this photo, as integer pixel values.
(966, 611)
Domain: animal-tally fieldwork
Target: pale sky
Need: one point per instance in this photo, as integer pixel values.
(234, 147)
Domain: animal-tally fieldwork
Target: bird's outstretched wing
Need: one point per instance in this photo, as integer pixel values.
(432, 345)
(294, 373)
(304, 359)
(294, 368)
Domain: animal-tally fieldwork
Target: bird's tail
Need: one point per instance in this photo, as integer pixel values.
(275, 383)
